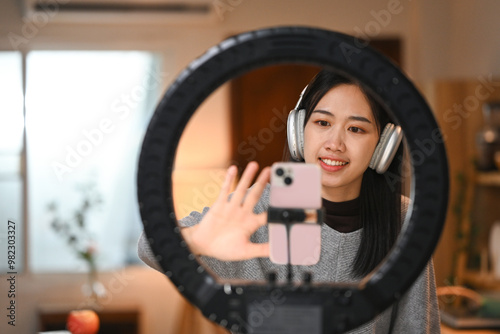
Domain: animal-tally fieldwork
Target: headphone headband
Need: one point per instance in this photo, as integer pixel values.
(297, 106)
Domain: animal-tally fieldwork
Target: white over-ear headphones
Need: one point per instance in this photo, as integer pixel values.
(382, 157)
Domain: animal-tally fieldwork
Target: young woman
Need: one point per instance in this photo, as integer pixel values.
(364, 209)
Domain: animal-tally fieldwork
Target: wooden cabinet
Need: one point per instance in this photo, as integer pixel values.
(474, 201)
(485, 210)
(123, 320)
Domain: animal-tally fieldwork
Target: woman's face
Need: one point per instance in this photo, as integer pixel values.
(340, 137)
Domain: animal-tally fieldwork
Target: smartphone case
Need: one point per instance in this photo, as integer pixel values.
(304, 192)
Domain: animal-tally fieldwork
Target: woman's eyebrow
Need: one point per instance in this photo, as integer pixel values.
(354, 118)
(324, 112)
(360, 118)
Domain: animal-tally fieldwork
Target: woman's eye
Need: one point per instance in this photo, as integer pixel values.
(356, 129)
(322, 123)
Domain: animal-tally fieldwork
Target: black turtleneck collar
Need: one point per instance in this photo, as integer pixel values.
(342, 216)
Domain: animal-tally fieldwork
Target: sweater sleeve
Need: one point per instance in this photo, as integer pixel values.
(418, 310)
(144, 250)
(146, 253)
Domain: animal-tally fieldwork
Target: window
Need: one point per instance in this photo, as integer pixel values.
(11, 146)
(86, 113)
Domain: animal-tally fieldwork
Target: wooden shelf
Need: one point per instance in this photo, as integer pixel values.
(488, 178)
(481, 281)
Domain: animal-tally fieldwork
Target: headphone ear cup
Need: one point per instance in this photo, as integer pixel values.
(376, 154)
(386, 149)
(301, 116)
(295, 133)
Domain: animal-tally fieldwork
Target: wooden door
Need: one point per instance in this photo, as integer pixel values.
(261, 101)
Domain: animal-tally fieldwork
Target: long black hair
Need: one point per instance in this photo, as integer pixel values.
(380, 196)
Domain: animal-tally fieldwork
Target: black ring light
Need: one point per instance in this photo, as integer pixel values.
(338, 307)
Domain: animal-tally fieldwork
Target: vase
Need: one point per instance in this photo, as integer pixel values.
(494, 244)
(93, 290)
(488, 138)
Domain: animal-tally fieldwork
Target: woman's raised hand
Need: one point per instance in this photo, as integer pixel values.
(225, 230)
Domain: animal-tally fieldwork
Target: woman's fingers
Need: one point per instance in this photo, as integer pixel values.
(245, 182)
(243, 185)
(226, 185)
(255, 192)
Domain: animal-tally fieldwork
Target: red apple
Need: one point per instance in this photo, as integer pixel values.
(82, 322)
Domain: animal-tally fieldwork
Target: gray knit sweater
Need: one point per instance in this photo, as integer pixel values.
(417, 310)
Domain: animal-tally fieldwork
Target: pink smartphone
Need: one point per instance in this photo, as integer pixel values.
(295, 185)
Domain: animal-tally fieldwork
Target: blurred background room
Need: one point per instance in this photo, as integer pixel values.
(80, 79)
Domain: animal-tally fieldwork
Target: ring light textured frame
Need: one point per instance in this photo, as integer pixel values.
(345, 306)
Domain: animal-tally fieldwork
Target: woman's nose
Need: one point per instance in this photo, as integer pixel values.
(335, 140)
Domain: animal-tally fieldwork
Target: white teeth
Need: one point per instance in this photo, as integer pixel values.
(334, 162)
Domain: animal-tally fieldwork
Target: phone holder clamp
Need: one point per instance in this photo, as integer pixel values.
(294, 215)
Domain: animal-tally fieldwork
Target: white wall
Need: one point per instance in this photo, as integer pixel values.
(191, 40)
(443, 39)
(474, 40)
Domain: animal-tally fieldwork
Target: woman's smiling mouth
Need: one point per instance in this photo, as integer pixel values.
(331, 165)
(331, 162)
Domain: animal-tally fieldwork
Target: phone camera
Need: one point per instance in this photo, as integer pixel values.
(280, 172)
(288, 180)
